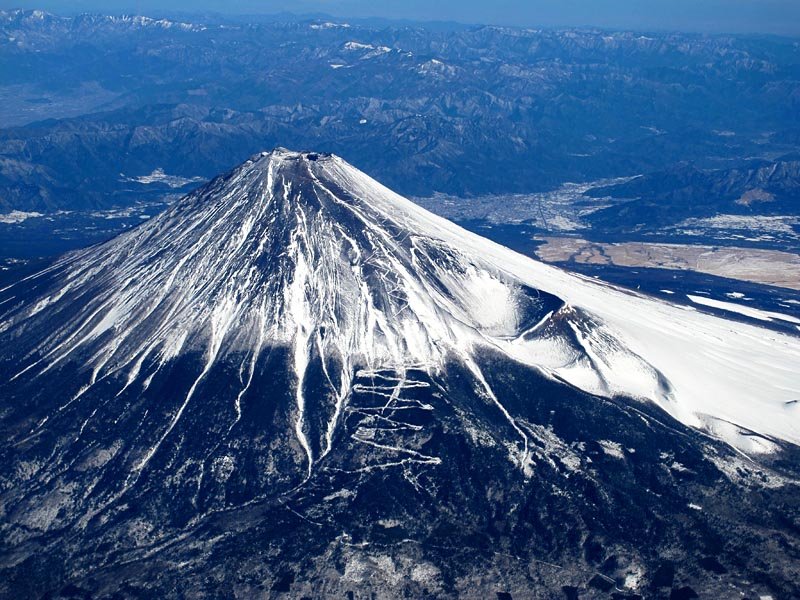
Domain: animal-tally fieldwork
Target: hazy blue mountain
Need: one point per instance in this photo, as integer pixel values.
(91, 101)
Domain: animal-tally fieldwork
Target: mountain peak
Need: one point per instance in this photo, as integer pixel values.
(278, 176)
(292, 250)
(294, 346)
(302, 252)
(281, 154)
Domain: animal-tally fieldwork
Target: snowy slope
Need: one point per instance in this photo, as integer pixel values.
(720, 373)
(305, 252)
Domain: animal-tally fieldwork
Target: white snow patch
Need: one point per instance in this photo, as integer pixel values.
(389, 523)
(748, 442)
(771, 224)
(633, 577)
(329, 25)
(158, 176)
(612, 448)
(747, 311)
(340, 494)
(372, 51)
(358, 46)
(18, 216)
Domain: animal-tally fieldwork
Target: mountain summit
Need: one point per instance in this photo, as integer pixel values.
(294, 363)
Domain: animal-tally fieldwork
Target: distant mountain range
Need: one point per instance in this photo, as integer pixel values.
(90, 103)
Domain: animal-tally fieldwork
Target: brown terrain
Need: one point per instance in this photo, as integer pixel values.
(769, 267)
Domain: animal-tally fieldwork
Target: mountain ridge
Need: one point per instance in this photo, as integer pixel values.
(459, 301)
(293, 351)
(91, 98)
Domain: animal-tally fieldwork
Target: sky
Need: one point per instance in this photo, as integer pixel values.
(756, 16)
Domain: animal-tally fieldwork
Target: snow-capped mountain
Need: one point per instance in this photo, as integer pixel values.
(294, 332)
